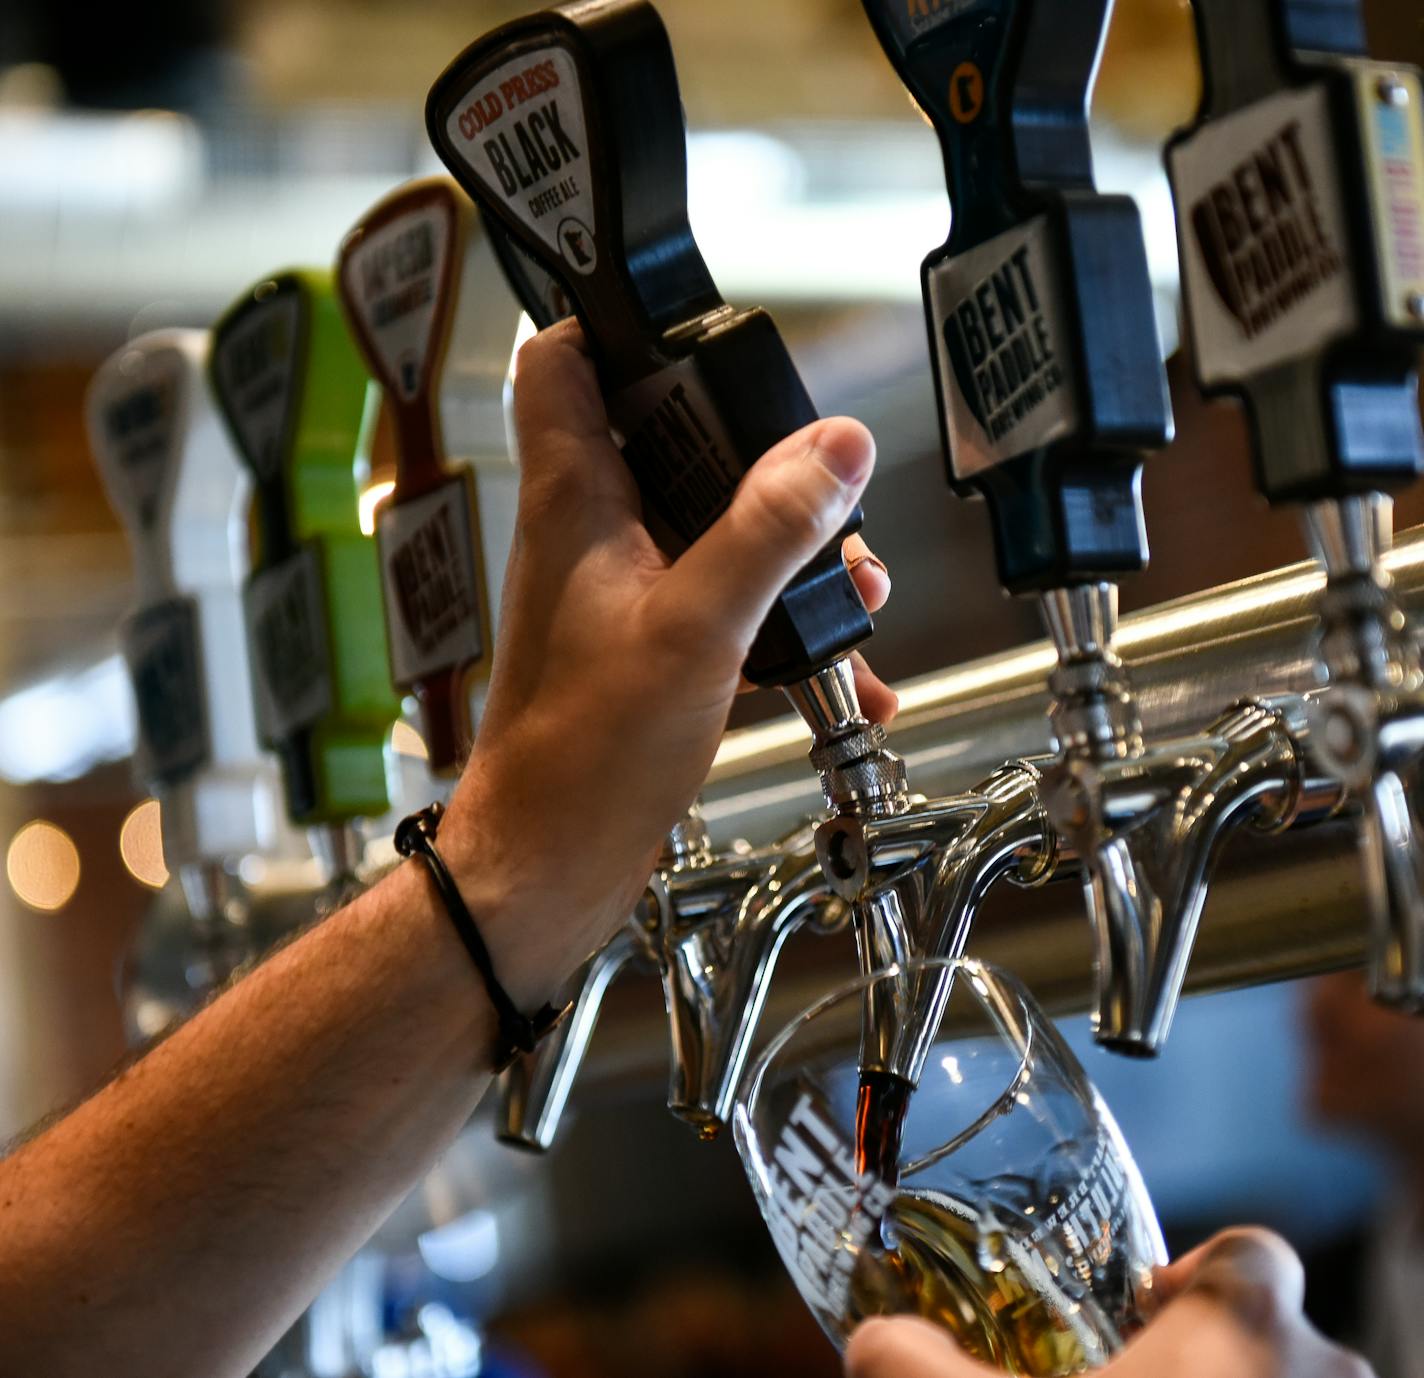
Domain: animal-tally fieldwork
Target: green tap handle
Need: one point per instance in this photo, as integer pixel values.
(295, 395)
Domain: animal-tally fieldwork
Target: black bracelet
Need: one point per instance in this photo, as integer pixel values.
(518, 1033)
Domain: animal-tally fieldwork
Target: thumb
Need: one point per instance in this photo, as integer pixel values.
(1233, 1309)
(791, 503)
(1241, 1267)
(907, 1347)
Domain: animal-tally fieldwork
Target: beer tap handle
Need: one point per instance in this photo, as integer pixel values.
(541, 294)
(295, 398)
(402, 274)
(566, 128)
(181, 494)
(1039, 304)
(1300, 207)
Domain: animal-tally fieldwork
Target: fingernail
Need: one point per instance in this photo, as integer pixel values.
(855, 562)
(846, 452)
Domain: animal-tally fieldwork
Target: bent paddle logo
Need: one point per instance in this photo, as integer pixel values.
(431, 582)
(1262, 230)
(1261, 235)
(1001, 350)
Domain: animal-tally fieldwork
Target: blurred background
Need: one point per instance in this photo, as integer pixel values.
(154, 160)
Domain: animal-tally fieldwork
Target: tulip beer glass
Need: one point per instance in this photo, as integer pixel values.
(1008, 1208)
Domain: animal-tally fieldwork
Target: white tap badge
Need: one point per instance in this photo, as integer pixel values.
(255, 364)
(139, 422)
(1261, 230)
(431, 582)
(1002, 351)
(521, 132)
(391, 280)
(286, 631)
(161, 646)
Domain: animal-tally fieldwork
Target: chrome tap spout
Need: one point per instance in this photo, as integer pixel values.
(535, 1087)
(719, 930)
(1148, 827)
(1369, 730)
(917, 881)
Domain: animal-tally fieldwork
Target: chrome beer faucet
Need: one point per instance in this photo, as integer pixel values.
(1051, 390)
(1369, 730)
(534, 1089)
(917, 880)
(1306, 161)
(717, 925)
(1148, 819)
(177, 486)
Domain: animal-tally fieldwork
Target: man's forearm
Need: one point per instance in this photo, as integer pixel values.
(248, 1156)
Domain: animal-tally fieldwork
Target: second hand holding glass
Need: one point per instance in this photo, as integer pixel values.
(1015, 1216)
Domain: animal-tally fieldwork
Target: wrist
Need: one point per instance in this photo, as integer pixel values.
(547, 881)
(518, 914)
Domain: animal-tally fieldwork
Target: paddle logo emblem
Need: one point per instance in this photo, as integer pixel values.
(1264, 247)
(1004, 360)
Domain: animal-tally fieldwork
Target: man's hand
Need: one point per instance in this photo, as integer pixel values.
(1230, 1309)
(616, 668)
(206, 1194)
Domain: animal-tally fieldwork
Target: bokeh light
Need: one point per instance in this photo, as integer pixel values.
(42, 865)
(141, 845)
(371, 499)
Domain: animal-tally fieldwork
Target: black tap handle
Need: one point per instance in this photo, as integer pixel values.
(1039, 306)
(566, 128)
(1300, 218)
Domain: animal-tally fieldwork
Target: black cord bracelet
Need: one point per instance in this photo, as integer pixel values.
(518, 1033)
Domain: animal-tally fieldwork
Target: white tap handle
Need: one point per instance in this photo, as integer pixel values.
(176, 484)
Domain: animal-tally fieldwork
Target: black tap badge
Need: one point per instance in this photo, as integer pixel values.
(162, 649)
(286, 629)
(520, 130)
(1261, 230)
(254, 367)
(1002, 353)
(136, 419)
(430, 579)
(912, 19)
(391, 281)
(681, 457)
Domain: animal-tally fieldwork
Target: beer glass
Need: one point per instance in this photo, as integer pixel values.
(1006, 1208)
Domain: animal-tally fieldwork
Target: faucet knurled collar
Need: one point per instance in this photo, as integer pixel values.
(859, 773)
